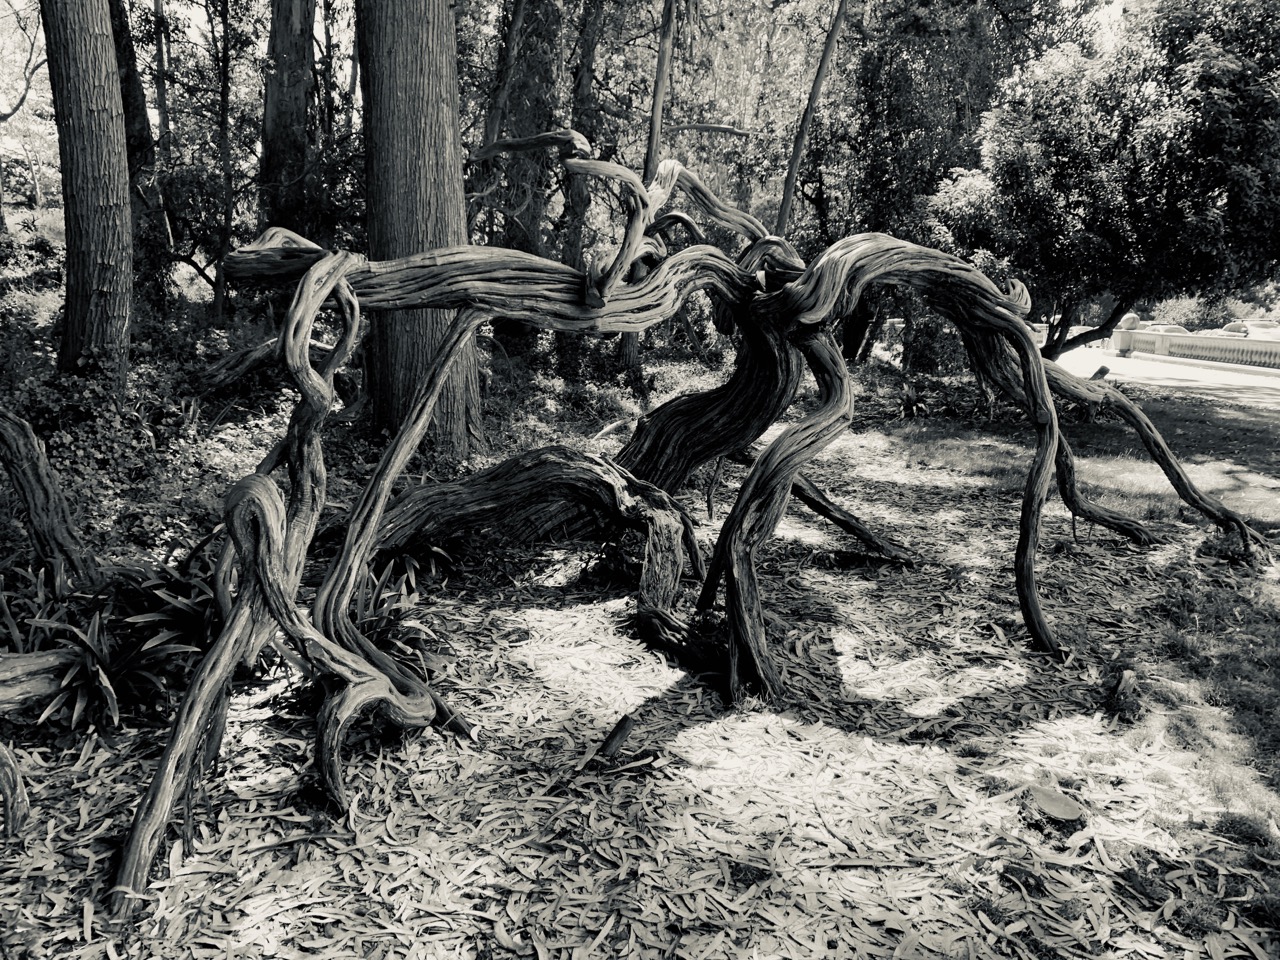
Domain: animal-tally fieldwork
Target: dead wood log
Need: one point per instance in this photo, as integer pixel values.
(53, 532)
(197, 728)
(996, 365)
(808, 493)
(239, 364)
(832, 285)
(1102, 394)
(30, 679)
(542, 481)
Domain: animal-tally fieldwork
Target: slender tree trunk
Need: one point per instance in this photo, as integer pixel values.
(164, 141)
(629, 351)
(222, 65)
(95, 181)
(806, 120)
(413, 165)
(150, 246)
(290, 61)
(585, 108)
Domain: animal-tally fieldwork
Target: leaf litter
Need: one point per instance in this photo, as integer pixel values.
(930, 788)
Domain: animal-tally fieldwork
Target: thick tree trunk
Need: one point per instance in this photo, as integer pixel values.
(95, 181)
(806, 119)
(282, 189)
(414, 181)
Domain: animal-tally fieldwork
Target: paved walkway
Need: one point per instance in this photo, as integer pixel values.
(1224, 382)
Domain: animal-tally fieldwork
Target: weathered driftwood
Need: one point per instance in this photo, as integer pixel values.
(782, 311)
(993, 362)
(53, 532)
(28, 679)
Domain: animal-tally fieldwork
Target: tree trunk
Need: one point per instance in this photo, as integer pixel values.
(413, 165)
(290, 60)
(164, 139)
(629, 350)
(586, 120)
(810, 108)
(95, 181)
(221, 49)
(150, 239)
(53, 533)
(525, 104)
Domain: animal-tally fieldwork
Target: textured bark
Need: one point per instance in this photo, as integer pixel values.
(95, 179)
(785, 313)
(282, 175)
(31, 679)
(539, 482)
(287, 533)
(756, 514)
(14, 806)
(414, 182)
(53, 532)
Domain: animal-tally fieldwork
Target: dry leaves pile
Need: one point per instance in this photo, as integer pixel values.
(933, 789)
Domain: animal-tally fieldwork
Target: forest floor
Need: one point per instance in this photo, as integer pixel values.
(931, 787)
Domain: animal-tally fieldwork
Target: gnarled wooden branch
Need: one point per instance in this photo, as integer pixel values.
(53, 532)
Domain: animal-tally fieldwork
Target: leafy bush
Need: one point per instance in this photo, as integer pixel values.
(134, 639)
(1193, 313)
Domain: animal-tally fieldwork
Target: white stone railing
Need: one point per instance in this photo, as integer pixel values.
(1246, 350)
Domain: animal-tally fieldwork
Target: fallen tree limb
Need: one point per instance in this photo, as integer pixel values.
(30, 679)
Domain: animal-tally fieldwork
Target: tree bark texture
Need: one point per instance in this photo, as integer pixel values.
(53, 531)
(290, 61)
(14, 805)
(150, 231)
(31, 679)
(95, 180)
(414, 182)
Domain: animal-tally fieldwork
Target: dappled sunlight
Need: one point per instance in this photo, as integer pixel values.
(803, 529)
(924, 686)
(578, 652)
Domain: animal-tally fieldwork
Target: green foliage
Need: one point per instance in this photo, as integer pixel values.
(134, 640)
(1194, 313)
(1147, 169)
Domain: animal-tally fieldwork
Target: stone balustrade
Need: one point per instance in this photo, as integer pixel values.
(1255, 352)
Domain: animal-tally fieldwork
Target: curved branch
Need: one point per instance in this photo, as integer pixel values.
(53, 532)
(756, 513)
